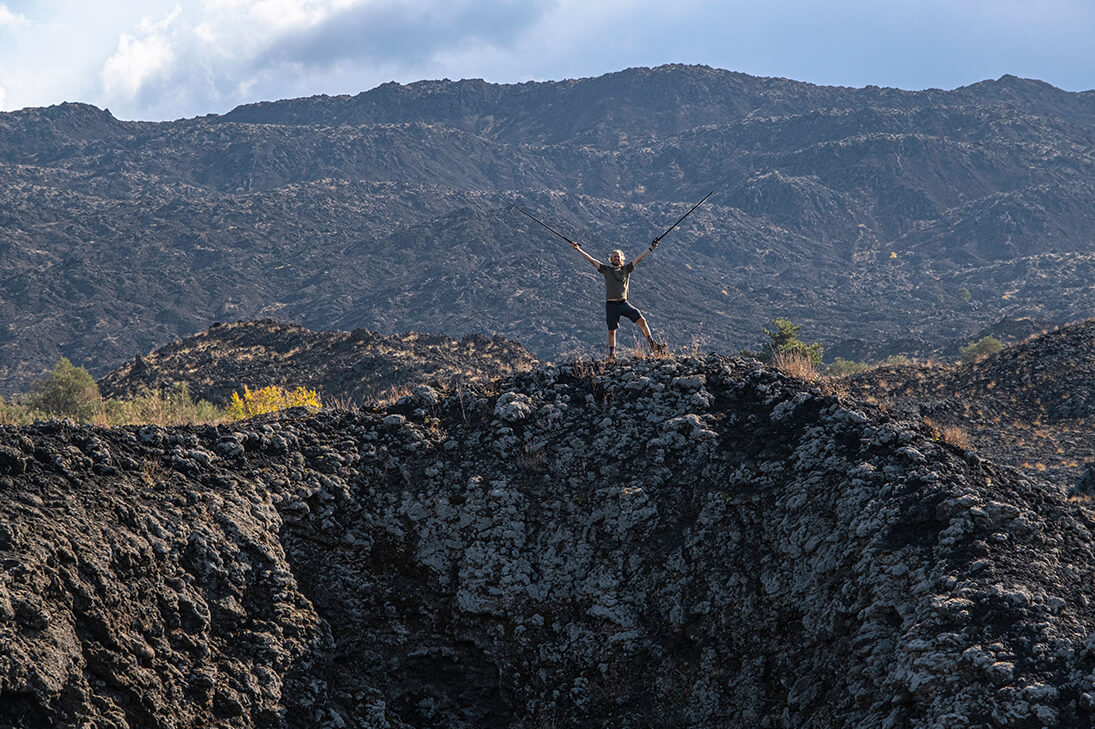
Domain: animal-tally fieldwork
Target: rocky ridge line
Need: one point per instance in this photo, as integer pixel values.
(356, 367)
(1030, 405)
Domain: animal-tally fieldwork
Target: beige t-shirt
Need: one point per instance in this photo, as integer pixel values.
(616, 279)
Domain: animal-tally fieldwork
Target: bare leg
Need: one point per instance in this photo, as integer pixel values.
(611, 344)
(645, 328)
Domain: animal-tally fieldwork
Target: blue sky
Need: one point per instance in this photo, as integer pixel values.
(168, 59)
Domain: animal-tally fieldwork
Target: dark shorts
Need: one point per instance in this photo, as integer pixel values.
(615, 309)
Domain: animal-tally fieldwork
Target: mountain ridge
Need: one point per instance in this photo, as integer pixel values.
(386, 98)
(884, 221)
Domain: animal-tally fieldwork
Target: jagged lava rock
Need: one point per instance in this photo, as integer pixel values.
(689, 542)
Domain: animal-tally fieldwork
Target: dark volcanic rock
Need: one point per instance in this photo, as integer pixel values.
(870, 215)
(671, 543)
(345, 367)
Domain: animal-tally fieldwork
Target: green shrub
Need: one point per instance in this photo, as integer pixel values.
(981, 348)
(65, 386)
(168, 407)
(842, 367)
(12, 413)
(66, 392)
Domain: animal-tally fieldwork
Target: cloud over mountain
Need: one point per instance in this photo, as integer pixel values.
(167, 59)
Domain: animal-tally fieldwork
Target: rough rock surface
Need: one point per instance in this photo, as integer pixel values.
(669, 542)
(351, 367)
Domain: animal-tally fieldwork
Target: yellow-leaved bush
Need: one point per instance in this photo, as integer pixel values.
(270, 399)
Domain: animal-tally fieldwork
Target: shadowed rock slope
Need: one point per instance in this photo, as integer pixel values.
(349, 367)
(669, 542)
(1031, 405)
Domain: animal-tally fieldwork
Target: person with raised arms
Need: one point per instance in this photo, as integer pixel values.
(617, 275)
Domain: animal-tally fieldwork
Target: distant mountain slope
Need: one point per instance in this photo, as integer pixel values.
(356, 367)
(873, 216)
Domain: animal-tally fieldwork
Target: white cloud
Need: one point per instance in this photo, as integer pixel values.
(136, 61)
(204, 59)
(139, 59)
(8, 19)
(281, 15)
(240, 27)
(220, 53)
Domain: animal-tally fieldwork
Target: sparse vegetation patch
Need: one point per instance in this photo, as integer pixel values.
(981, 348)
(271, 399)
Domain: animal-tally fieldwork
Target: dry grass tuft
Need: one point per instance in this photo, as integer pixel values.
(795, 364)
(392, 395)
(956, 436)
(953, 434)
(585, 368)
(341, 402)
(530, 460)
(698, 346)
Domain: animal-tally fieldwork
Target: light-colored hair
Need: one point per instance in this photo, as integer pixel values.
(623, 257)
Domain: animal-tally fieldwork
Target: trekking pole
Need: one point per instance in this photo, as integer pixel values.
(684, 216)
(568, 240)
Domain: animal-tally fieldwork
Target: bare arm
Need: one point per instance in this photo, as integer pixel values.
(591, 259)
(646, 253)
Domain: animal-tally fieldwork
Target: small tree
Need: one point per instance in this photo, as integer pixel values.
(981, 348)
(784, 340)
(67, 392)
